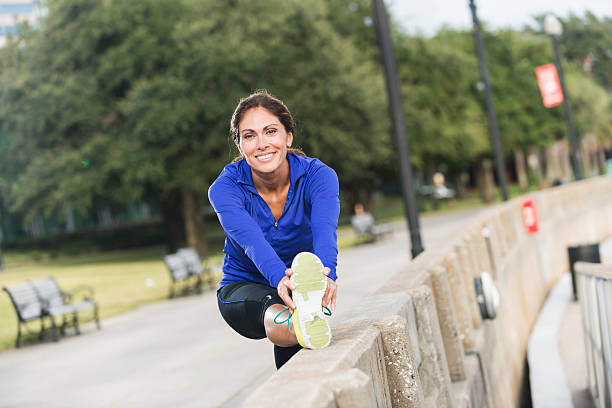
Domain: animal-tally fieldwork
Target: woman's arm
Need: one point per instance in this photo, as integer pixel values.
(325, 210)
(323, 192)
(228, 202)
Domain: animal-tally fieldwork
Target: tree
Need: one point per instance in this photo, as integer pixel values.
(112, 101)
(587, 42)
(439, 87)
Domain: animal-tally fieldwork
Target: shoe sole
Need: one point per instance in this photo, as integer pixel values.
(309, 322)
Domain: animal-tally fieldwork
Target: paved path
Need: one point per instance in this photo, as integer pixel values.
(557, 359)
(180, 352)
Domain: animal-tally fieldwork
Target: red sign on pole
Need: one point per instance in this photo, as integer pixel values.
(550, 87)
(530, 216)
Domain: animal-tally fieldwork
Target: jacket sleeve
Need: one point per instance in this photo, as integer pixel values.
(228, 202)
(323, 193)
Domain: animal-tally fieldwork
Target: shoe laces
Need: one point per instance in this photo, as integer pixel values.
(286, 320)
(326, 311)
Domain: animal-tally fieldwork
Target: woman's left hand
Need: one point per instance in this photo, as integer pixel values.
(329, 297)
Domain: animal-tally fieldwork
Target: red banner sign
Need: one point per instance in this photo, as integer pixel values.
(530, 216)
(550, 88)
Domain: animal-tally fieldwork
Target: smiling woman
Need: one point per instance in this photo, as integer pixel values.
(279, 210)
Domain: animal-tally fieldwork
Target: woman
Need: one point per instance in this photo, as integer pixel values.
(279, 210)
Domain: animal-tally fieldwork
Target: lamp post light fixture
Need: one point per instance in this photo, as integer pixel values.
(553, 27)
(398, 121)
(493, 128)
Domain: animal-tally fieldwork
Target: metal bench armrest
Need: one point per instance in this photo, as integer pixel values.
(82, 288)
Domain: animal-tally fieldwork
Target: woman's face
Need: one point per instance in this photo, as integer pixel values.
(263, 140)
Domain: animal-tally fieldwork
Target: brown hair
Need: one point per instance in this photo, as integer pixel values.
(264, 100)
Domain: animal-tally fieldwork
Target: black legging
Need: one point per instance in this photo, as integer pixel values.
(283, 354)
(243, 306)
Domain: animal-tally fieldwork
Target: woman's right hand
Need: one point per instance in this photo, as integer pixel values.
(283, 288)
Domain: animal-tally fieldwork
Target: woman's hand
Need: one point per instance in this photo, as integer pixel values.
(329, 297)
(283, 288)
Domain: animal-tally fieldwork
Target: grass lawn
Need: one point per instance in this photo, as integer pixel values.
(118, 277)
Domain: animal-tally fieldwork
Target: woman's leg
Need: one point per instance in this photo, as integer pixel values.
(250, 309)
(279, 334)
(283, 354)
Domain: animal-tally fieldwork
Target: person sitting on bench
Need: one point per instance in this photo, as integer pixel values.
(363, 222)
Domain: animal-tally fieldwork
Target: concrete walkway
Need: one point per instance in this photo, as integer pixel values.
(180, 352)
(557, 353)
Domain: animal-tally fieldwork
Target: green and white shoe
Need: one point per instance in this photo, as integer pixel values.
(309, 321)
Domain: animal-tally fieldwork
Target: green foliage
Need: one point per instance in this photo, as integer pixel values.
(443, 114)
(110, 101)
(589, 36)
(523, 119)
(114, 100)
(446, 111)
(591, 106)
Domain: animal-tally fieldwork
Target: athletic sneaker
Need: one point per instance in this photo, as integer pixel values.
(309, 321)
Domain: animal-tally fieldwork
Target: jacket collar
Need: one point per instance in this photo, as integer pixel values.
(296, 170)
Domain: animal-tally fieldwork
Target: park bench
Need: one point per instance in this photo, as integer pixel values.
(435, 195)
(43, 299)
(364, 226)
(185, 267)
(27, 305)
(195, 267)
(58, 303)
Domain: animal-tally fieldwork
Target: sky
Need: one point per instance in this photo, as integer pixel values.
(427, 16)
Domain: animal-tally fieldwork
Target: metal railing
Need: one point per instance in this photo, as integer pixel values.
(594, 283)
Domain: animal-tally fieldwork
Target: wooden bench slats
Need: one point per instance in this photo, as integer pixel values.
(48, 290)
(61, 310)
(176, 266)
(25, 300)
(192, 260)
(183, 265)
(29, 311)
(86, 304)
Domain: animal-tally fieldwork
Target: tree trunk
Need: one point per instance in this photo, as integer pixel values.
(194, 221)
(586, 159)
(461, 179)
(521, 173)
(551, 174)
(486, 181)
(533, 160)
(601, 159)
(555, 155)
(174, 225)
(567, 165)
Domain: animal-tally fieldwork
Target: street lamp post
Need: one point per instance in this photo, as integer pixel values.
(493, 128)
(1, 260)
(398, 121)
(552, 27)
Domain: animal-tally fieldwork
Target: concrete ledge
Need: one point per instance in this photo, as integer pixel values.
(354, 346)
(471, 391)
(403, 345)
(449, 327)
(435, 379)
(460, 299)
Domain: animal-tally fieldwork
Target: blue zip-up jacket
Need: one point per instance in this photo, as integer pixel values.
(258, 249)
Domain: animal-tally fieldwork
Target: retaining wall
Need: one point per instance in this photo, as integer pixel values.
(420, 341)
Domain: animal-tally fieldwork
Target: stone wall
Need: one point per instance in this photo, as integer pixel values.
(420, 341)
